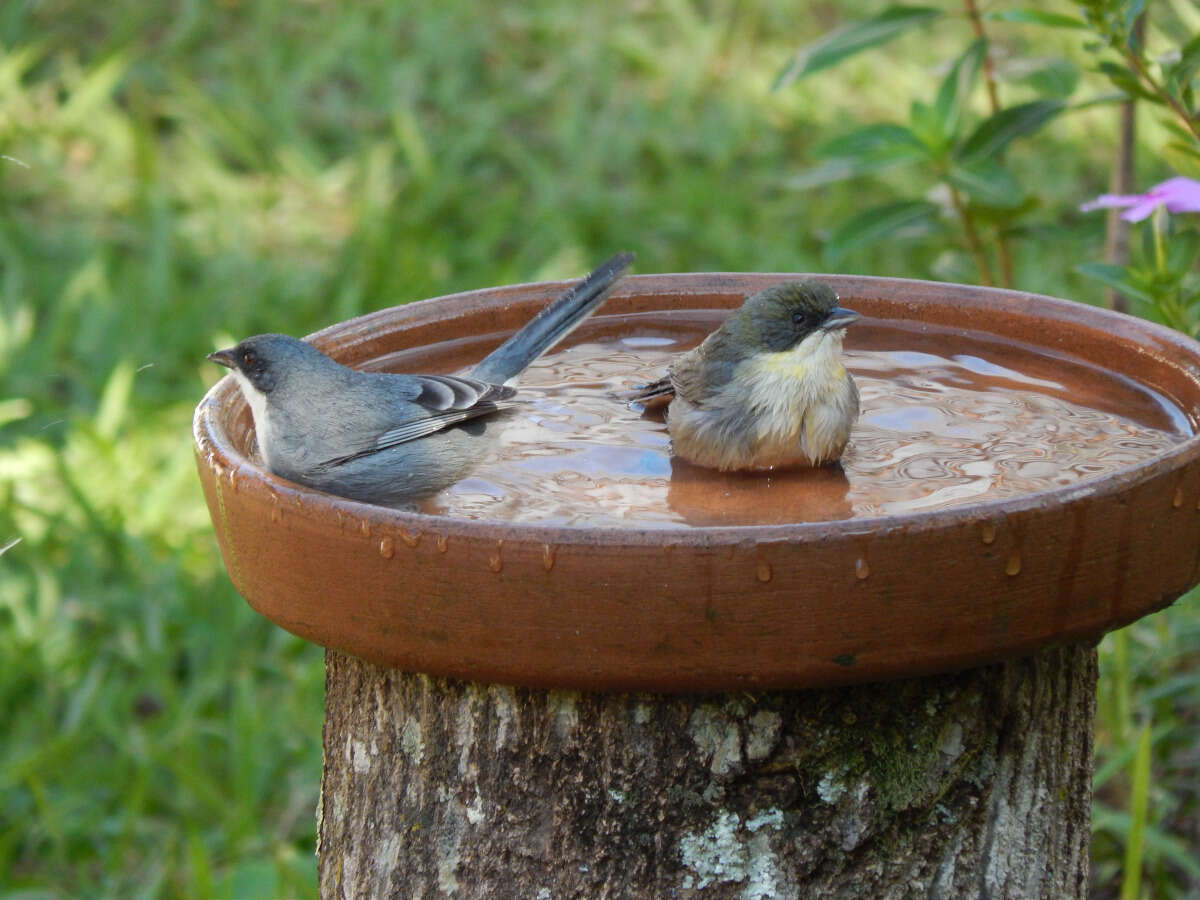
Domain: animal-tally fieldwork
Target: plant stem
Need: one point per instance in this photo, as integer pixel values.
(1158, 226)
(1003, 254)
(989, 74)
(973, 242)
(1004, 258)
(1135, 61)
(1116, 231)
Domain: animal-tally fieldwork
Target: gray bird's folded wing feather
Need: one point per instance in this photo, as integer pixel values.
(444, 400)
(438, 393)
(432, 424)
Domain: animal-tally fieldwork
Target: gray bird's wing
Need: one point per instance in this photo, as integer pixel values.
(440, 393)
(445, 400)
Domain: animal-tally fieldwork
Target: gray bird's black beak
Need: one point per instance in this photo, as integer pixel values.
(223, 358)
(839, 317)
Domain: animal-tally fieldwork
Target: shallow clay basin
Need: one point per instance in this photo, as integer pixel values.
(717, 607)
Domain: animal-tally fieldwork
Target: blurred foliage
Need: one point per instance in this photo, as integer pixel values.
(176, 175)
(1161, 277)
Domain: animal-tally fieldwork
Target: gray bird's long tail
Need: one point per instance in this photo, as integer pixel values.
(553, 323)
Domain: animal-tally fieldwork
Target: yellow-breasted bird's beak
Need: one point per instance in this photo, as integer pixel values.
(839, 317)
(223, 358)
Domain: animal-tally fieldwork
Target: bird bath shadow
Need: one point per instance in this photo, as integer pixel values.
(1025, 471)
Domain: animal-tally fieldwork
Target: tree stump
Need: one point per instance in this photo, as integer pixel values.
(972, 784)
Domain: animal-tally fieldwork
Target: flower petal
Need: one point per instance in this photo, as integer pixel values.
(1180, 194)
(1105, 201)
(1145, 205)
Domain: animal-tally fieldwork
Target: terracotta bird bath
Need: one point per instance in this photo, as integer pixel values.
(717, 603)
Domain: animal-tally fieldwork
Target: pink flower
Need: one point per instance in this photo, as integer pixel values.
(1176, 194)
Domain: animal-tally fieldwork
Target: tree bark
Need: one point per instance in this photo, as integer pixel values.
(973, 784)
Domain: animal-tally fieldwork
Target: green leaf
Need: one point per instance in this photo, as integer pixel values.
(1184, 158)
(1172, 125)
(1036, 17)
(854, 38)
(868, 149)
(1101, 100)
(987, 182)
(880, 223)
(956, 87)
(1126, 81)
(841, 169)
(928, 125)
(1115, 277)
(995, 133)
(829, 172)
(1053, 77)
(1180, 75)
(1133, 9)
(1182, 249)
(1006, 217)
(883, 141)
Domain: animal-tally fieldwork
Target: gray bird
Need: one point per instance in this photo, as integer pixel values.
(384, 438)
(766, 389)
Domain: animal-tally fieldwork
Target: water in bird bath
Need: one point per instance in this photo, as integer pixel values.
(949, 417)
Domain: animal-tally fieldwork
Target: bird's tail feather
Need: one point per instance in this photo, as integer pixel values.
(553, 323)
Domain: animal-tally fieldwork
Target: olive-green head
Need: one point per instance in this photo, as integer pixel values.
(784, 314)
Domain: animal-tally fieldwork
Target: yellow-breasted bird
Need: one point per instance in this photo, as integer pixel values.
(768, 388)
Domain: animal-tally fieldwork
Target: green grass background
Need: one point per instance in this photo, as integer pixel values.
(187, 173)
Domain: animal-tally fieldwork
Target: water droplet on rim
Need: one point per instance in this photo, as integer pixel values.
(1177, 500)
(411, 539)
(441, 543)
(387, 547)
(862, 569)
(1013, 566)
(548, 557)
(762, 571)
(495, 563)
(987, 532)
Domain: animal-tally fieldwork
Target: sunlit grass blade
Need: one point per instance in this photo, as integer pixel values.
(1138, 804)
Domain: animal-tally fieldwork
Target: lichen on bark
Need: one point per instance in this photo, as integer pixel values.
(969, 784)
